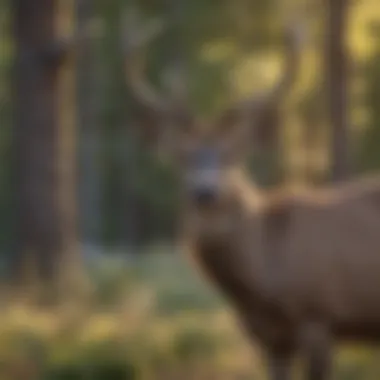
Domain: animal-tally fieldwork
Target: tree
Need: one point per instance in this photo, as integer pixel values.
(43, 145)
(6, 210)
(336, 67)
(70, 275)
(369, 154)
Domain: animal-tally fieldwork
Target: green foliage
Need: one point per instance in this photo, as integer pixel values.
(195, 343)
(103, 360)
(116, 345)
(174, 294)
(111, 278)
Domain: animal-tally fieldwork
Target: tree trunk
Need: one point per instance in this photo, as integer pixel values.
(336, 75)
(71, 270)
(89, 93)
(35, 140)
(43, 140)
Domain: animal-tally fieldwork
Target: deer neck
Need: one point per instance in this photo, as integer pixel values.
(227, 242)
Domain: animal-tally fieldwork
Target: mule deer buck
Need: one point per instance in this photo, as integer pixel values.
(300, 268)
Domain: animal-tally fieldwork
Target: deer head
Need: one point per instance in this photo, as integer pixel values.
(205, 152)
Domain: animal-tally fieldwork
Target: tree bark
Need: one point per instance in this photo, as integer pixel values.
(35, 140)
(337, 77)
(71, 275)
(43, 140)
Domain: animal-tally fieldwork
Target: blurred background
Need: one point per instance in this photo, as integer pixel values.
(92, 283)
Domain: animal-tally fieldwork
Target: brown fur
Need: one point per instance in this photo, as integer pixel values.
(293, 258)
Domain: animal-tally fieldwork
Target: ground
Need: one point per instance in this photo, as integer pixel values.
(151, 318)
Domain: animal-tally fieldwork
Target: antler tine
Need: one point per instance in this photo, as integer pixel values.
(136, 37)
(175, 78)
(294, 36)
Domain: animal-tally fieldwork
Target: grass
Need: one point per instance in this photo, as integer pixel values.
(150, 319)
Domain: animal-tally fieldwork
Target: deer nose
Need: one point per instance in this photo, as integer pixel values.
(204, 196)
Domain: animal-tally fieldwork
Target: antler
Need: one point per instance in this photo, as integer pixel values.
(256, 105)
(136, 36)
(294, 39)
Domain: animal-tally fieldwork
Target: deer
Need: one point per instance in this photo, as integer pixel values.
(299, 267)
